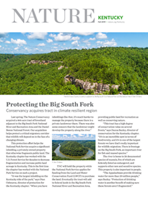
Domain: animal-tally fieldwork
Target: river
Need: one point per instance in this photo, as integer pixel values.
(89, 154)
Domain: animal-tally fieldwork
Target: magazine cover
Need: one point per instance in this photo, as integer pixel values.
(73, 98)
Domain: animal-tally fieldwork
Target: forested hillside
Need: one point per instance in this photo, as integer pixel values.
(73, 149)
(5, 58)
(125, 67)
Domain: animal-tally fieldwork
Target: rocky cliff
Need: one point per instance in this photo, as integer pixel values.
(42, 62)
(98, 88)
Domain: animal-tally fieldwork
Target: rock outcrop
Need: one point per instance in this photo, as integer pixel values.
(42, 62)
(98, 88)
(120, 93)
(60, 67)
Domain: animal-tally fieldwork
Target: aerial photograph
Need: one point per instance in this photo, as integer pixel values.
(73, 146)
(73, 63)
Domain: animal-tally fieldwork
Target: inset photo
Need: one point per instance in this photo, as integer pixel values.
(73, 146)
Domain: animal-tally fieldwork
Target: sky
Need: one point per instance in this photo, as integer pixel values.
(73, 137)
(43, 42)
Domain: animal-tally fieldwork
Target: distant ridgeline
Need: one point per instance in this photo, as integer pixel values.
(106, 70)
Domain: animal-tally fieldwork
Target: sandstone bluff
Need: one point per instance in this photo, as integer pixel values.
(98, 88)
(42, 62)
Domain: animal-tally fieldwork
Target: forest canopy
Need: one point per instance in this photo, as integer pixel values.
(126, 67)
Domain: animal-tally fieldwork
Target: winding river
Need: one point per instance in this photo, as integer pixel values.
(89, 154)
